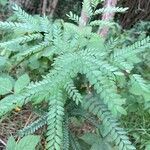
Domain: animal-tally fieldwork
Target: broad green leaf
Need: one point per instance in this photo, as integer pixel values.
(5, 86)
(11, 144)
(96, 42)
(121, 110)
(21, 83)
(2, 61)
(3, 2)
(28, 142)
(138, 85)
(34, 63)
(135, 89)
(147, 147)
(89, 138)
(101, 145)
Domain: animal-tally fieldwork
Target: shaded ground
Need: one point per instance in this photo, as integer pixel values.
(13, 122)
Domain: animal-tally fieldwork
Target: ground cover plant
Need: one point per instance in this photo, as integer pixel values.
(71, 71)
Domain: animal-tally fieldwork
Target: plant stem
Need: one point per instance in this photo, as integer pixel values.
(84, 18)
(107, 17)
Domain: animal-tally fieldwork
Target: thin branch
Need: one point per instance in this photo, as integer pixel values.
(107, 17)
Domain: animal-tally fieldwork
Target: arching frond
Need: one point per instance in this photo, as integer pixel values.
(55, 122)
(30, 129)
(117, 134)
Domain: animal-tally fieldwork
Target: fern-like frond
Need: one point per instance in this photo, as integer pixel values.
(66, 139)
(57, 31)
(94, 3)
(29, 52)
(22, 27)
(140, 87)
(87, 7)
(123, 65)
(73, 17)
(84, 114)
(23, 16)
(33, 126)
(108, 93)
(73, 92)
(104, 86)
(103, 23)
(18, 100)
(110, 10)
(35, 49)
(117, 134)
(55, 122)
(135, 48)
(12, 101)
(138, 81)
(21, 40)
(74, 142)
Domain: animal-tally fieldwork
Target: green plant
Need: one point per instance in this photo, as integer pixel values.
(27, 142)
(74, 55)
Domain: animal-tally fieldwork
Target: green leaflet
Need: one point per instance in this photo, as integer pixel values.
(21, 83)
(90, 138)
(3, 2)
(140, 87)
(5, 86)
(3, 61)
(101, 145)
(11, 144)
(27, 143)
(96, 142)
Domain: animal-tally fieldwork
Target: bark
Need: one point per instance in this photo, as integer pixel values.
(107, 17)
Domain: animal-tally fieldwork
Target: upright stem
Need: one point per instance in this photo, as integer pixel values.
(107, 17)
(84, 18)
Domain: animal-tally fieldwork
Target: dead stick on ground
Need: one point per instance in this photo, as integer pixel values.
(28, 120)
(2, 142)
